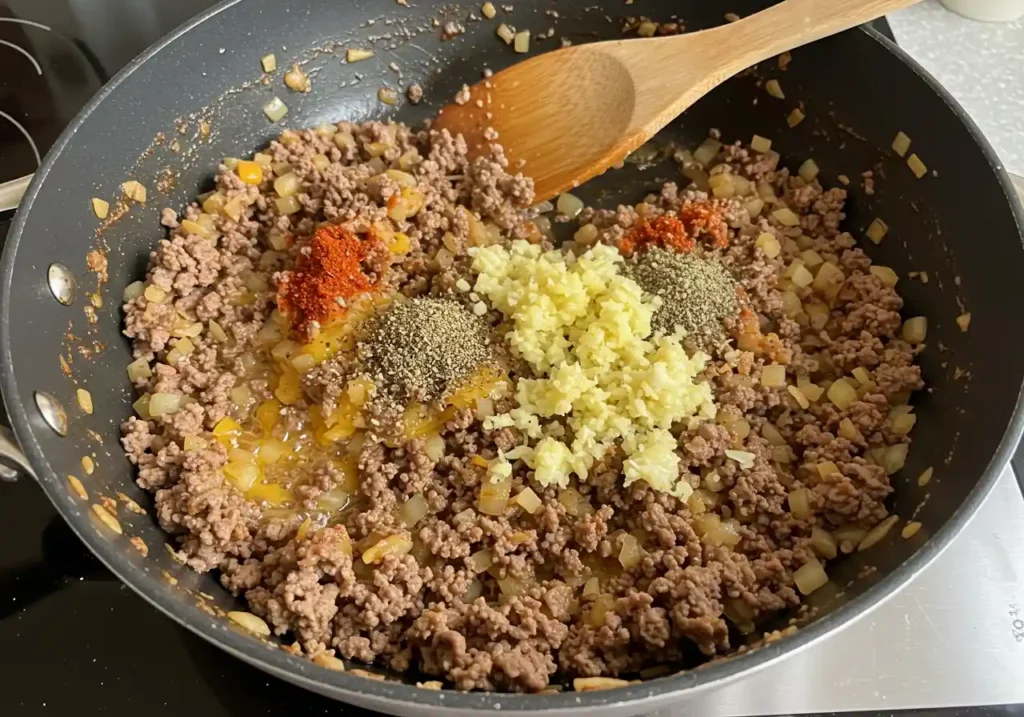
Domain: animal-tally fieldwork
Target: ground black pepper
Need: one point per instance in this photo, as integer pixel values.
(696, 293)
(420, 349)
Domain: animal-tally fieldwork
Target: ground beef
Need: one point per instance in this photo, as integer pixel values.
(520, 600)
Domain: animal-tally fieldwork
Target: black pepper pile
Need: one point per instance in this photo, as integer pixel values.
(696, 293)
(421, 349)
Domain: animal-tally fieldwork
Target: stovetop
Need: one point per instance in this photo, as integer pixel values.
(78, 642)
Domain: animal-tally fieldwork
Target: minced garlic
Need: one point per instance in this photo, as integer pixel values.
(585, 329)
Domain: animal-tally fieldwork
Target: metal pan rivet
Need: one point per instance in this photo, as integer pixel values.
(63, 284)
(53, 412)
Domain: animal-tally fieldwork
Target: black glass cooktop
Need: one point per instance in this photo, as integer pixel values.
(75, 641)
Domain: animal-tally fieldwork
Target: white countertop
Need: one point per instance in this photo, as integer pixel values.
(981, 64)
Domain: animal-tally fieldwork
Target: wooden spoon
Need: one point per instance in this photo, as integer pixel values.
(568, 115)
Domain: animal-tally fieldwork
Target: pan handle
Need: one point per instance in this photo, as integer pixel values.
(12, 461)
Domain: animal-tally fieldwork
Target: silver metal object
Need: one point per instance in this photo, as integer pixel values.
(52, 411)
(11, 192)
(63, 284)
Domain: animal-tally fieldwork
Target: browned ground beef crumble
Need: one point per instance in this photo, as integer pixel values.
(408, 612)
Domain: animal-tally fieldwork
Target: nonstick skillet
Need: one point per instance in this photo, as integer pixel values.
(196, 96)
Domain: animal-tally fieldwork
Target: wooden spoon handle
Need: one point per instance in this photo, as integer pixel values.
(793, 23)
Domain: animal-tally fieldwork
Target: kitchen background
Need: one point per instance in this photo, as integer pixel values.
(78, 642)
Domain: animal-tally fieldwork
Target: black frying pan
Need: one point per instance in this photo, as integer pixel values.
(961, 224)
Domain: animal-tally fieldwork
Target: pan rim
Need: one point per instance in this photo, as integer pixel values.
(400, 696)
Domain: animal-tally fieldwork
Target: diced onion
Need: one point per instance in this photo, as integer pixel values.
(795, 117)
(602, 605)
(133, 291)
(474, 590)
(413, 510)
(902, 425)
(631, 553)
(877, 230)
(510, 587)
(434, 448)
(823, 543)
(910, 530)
(713, 482)
(494, 497)
(391, 545)
(241, 395)
(287, 205)
(773, 376)
(141, 407)
(915, 330)
(800, 504)
(721, 186)
(926, 476)
(827, 468)
(760, 144)
(505, 33)
(842, 394)
(84, 400)
(357, 55)
(164, 404)
(139, 369)
(521, 42)
(745, 459)
(772, 434)
(901, 144)
(799, 396)
(802, 277)
(895, 458)
(786, 217)
(768, 244)
(287, 184)
(773, 88)
(808, 170)
(134, 190)
(387, 95)
(269, 62)
(275, 109)
(333, 500)
(528, 500)
(884, 274)
(917, 166)
(100, 207)
(829, 280)
(569, 204)
(876, 534)
(809, 577)
(964, 321)
(488, 10)
(480, 561)
(725, 533)
(707, 151)
(847, 430)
